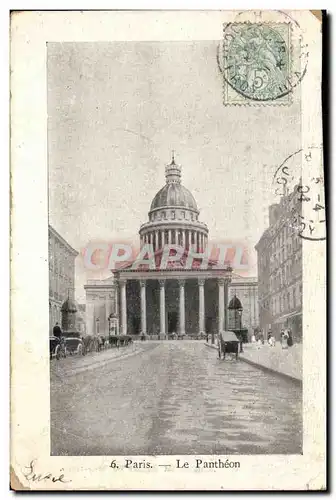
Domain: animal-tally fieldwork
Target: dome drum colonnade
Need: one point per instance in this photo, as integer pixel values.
(173, 219)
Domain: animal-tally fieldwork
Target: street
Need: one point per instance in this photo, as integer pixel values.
(171, 397)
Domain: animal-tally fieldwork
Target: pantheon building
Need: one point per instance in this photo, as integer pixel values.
(184, 299)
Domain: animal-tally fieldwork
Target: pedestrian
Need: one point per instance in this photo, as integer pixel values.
(253, 339)
(57, 332)
(290, 338)
(284, 338)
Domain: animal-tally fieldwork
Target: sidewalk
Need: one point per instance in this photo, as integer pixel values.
(286, 362)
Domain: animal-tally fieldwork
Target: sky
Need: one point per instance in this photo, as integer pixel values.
(115, 112)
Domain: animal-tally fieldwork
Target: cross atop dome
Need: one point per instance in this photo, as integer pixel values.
(173, 171)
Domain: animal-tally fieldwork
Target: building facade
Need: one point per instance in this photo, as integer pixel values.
(246, 290)
(81, 319)
(179, 298)
(101, 303)
(280, 269)
(61, 274)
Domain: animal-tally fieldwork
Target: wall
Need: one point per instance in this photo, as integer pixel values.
(61, 274)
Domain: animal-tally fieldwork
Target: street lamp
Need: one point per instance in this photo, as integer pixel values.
(109, 319)
(238, 314)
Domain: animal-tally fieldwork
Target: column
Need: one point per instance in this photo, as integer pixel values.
(169, 236)
(162, 308)
(182, 307)
(201, 305)
(176, 236)
(189, 239)
(162, 238)
(226, 302)
(156, 240)
(183, 238)
(220, 305)
(143, 307)
(123, 307)
(116, 306)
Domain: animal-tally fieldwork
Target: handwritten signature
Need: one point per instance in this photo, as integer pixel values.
(32, 475)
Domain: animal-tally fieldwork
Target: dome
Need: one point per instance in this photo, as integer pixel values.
(235, 303)
(174, 195)
(69, 305)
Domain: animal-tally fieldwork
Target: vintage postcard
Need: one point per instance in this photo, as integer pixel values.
(168, 251)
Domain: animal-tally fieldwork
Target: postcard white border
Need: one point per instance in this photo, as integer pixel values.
(29, 342)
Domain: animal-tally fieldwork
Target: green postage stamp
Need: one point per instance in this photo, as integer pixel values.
(258, 63)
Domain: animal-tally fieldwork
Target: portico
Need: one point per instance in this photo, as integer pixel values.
(165, 302)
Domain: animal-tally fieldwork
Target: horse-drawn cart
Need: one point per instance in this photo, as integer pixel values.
(74, 345)
(57, 347)
(228, 342)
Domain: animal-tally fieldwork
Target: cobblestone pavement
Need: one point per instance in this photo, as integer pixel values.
(173, 397)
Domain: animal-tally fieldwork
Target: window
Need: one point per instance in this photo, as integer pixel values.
(173, 214)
